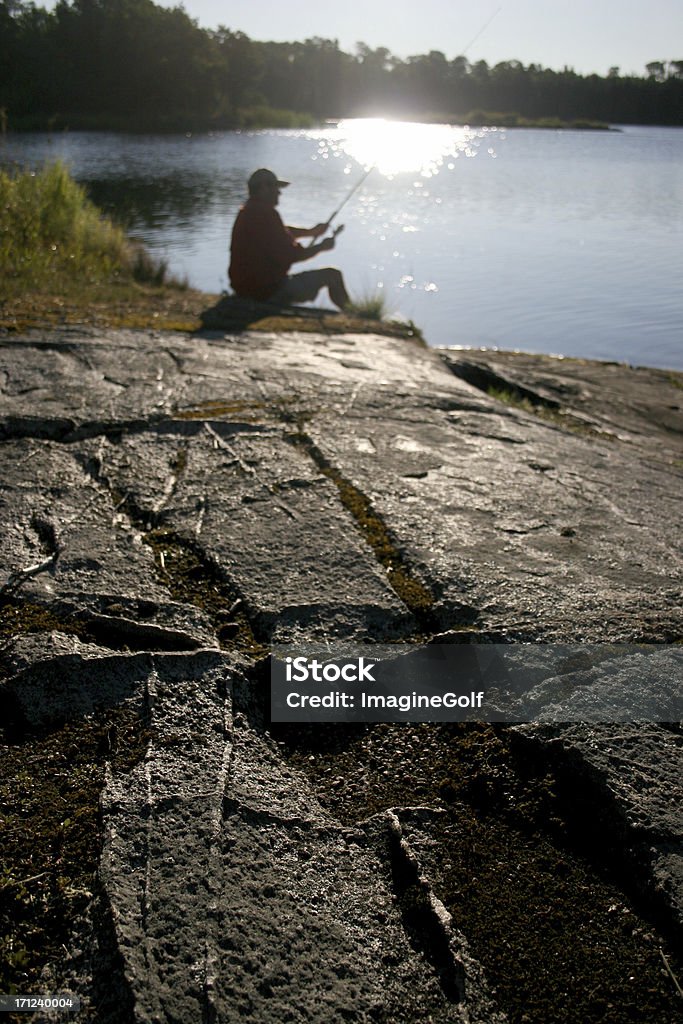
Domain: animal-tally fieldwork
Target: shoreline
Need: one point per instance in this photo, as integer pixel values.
(175, 309)
(489, 121)
(494, 350)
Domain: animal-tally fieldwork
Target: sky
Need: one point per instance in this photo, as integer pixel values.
(587, 35)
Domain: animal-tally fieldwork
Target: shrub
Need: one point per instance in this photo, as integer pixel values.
(52, 235)
(48, 226)
(271, 117)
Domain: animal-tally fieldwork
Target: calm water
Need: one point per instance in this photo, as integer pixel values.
(563, 242)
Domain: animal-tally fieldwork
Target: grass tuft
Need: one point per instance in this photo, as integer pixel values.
(148, 269)
(370, 306)
(562, 419)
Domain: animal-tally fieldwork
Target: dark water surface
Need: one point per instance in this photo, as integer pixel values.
(563, 242)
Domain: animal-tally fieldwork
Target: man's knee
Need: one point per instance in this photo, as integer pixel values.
(336, 288)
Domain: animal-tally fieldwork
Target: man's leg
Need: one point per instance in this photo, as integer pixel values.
(304, 287)
(336, 288)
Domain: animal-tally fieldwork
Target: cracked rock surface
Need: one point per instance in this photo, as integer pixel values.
(636, 770)
(506, 518)
(173, 505)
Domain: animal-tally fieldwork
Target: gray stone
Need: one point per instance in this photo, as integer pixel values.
(69, 545)
(634, 774)
(162, 835)
(49, 679)
(318, 900)
(639, 405)
(589, 683)
(262, 512)
(546, 533)
(234, 894)
(334, 488)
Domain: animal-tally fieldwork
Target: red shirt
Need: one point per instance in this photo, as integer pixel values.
(261, 251)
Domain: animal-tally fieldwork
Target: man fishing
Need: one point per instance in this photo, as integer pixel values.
(263, 249)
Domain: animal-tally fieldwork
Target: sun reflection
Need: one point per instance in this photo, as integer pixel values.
(397, 147)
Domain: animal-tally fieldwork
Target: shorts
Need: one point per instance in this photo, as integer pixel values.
(299, 287)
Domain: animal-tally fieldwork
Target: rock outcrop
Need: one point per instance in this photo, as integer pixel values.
(174, 505)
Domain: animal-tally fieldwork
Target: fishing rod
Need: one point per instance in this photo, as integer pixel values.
(345, 201)
(343, 204)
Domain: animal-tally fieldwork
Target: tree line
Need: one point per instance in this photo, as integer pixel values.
(132, 63)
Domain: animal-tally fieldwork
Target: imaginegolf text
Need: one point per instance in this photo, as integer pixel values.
(401, 702)
(413, 701)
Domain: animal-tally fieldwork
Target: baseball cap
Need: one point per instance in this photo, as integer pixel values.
(264, 177)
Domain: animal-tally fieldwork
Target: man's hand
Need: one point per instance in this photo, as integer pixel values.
(319, 230)
(306, 252)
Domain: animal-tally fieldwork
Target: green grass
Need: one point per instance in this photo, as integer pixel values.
(53, 236)
(510, 398)
(371, 306)
(565, 420)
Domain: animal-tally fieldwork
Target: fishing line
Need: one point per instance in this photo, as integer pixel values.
(480, 32)
(345, 201)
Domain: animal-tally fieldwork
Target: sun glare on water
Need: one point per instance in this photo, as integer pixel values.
(397, 147)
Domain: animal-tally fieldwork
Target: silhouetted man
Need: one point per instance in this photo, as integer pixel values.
(263, 250)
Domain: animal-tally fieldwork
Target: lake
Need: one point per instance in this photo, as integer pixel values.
(548, 241)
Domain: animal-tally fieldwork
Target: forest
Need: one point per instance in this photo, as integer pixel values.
(133, 65)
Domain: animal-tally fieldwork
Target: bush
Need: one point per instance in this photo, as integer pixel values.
(271, 117)
(493, 119)
(52, 235)
(48, 227)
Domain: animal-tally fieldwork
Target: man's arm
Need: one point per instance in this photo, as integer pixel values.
(302, 253)
(315, 232)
